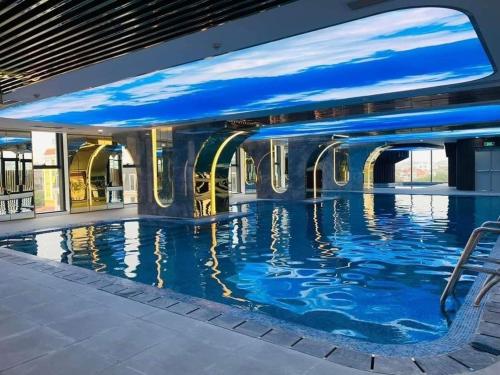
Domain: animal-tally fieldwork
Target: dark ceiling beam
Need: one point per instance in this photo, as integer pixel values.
(40, 39)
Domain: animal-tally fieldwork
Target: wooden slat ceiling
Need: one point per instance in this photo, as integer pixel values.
(40, 39)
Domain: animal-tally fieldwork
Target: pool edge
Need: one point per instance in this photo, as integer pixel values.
(475, 353)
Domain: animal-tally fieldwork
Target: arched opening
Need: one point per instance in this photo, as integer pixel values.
(95, 167)
(212, 172)
(368, 170)
(314, 170)
(407, 165)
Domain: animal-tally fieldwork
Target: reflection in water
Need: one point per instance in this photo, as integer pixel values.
(226, 292)
(324, 246)
(160, 283)
(131, 259)
(361, 265)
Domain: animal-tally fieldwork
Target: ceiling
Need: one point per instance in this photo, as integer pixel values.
(43, 38)
(297, 17)
(386, 53)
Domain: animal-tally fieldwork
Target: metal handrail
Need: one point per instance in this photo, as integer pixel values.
(468, 249)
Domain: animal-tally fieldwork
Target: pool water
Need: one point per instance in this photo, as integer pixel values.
(366, 266)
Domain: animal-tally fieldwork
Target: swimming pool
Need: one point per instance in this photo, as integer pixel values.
(366, 266)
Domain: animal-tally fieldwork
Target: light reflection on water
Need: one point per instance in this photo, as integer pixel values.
(365, 266)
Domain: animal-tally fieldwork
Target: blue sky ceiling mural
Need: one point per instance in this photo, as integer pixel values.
(451, 116)
(391, 52)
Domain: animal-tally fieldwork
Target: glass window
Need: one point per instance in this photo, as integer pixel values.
(45, 148)
(129, 185)
(48, 192)
(439, 166)
(126, 157)
(421, 169)
(403, 170)
(16, 176)
(423, 166)
(114, 170)
(129, 177)
(48, 172)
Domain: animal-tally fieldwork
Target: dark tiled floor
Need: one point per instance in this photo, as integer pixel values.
(50, 312)
(49, 325)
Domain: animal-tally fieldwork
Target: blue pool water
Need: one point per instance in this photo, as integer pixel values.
(365, 266)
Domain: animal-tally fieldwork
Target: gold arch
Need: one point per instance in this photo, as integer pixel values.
(271, 159)
(154, 140)
(368, 170)
(89, 171)
(316, 163)
(215, 162)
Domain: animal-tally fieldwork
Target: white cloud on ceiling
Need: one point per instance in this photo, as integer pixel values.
(362, 40)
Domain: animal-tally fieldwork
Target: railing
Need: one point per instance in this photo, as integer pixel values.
(17, 205)
(494, 273)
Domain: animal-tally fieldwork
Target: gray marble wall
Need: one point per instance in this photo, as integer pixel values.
(187, 143)
(357, 160)
(300, 150)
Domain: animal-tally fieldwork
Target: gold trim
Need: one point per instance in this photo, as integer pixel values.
(89, 171)
(155, 169)
(316, 163)
(368, 169)
(213, 208)
(273, 177)
(226, 292)
(335, 171)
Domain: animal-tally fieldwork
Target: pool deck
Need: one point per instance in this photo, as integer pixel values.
(58, 319)
(58, 220)
(52, 325)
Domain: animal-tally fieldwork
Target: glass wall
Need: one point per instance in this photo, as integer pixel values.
(48, 172)
(403, 170)
(421, 170)
(439, 166)
(16, 176)
(423, 166)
